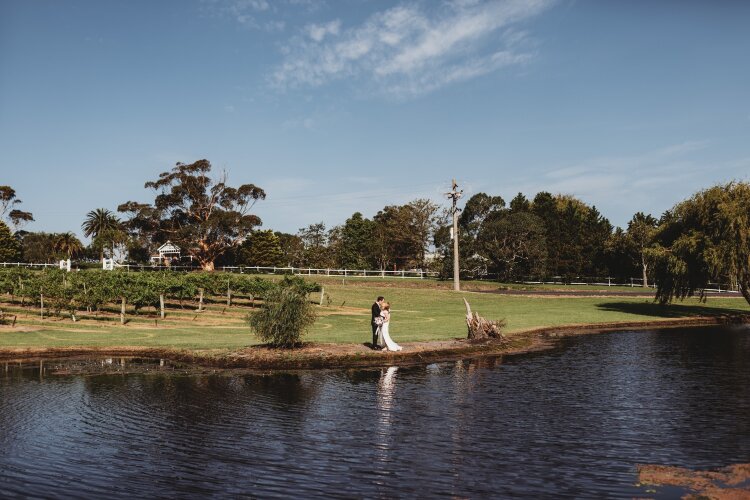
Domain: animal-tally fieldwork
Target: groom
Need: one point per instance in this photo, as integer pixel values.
(376, 322)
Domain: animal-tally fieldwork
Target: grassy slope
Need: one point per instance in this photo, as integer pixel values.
(419, 313)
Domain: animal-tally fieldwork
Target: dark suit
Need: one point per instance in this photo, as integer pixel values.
(375, 314)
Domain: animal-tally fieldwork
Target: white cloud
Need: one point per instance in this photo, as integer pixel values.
(319, 31)
(266, 15)
(408, 50)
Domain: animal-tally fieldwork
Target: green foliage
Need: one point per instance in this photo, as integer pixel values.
(621, 255)
(704, 238)
(38, 247)
(299, 283)
(553, 235)
(287, 315)
(575, 233)
(514, 244)
(402, 234)
(292, 249)
(14, 216)
(94, 289)
(315, 240)
(68, 245)
(8, 244)
(100, 221)
(261, 248)
(355, 239)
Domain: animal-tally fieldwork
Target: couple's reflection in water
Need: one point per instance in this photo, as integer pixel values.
(384, 434)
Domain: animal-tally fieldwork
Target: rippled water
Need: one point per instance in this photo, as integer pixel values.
(571, 422)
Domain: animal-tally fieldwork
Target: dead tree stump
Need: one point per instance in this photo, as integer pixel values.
(481, 328)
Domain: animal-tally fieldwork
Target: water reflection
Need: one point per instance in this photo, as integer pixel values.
(570, 422)
(384, 433)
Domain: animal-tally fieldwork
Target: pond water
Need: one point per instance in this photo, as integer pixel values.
(570, 422)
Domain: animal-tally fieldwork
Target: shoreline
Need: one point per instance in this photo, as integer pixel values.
(346, 356)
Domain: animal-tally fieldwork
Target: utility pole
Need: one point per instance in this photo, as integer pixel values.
(454, 195)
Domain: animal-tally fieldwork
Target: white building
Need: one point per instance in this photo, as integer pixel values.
(167, 253)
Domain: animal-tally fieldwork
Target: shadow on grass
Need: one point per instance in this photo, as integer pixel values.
(669, 311)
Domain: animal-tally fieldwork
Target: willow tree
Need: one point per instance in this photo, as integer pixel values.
(702, 239)
(205, 217)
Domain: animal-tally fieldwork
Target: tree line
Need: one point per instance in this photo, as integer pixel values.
(547, 235)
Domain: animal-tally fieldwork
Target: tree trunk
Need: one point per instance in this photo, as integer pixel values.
(645, 271)
(122, 311)
(161, 305)
(229, 297)
(743, 284)
(200, 299)
(41, 305)
(207, 265)
(481, 328)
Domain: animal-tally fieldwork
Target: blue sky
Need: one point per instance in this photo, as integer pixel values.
(336, 107)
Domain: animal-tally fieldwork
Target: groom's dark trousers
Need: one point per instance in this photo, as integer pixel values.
(375, 314)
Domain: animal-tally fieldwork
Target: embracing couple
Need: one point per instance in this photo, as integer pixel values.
(381, 321)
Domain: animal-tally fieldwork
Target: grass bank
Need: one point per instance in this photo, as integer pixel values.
(427, 312)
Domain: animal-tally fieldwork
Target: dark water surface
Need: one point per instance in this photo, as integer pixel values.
(571, 422)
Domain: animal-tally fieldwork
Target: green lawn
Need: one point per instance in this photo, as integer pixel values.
(418, 314)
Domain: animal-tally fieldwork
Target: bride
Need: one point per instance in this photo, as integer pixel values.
(390, 345)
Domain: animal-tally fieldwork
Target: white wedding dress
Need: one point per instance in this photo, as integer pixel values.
(389, 343)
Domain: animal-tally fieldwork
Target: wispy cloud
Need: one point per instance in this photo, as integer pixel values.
(317, 32)
(408, 50)
(266, 15)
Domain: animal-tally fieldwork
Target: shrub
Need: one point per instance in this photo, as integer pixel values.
(285, 318)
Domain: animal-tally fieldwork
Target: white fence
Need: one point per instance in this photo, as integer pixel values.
(405, 274)
(306, 271)
(609, 281)
(347, 273)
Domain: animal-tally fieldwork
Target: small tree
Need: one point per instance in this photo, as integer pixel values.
(285, 318)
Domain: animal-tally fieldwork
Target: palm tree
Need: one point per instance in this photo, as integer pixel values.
(68, 244)
(98, 222)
